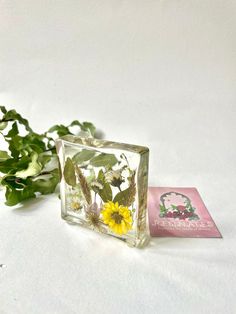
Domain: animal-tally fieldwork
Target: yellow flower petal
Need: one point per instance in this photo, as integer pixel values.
(117, 217)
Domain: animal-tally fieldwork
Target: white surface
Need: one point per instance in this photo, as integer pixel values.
(158, 73)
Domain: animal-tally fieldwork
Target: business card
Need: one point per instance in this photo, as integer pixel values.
(179, 212)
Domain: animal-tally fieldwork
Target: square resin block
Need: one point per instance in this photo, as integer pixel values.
(104, 187)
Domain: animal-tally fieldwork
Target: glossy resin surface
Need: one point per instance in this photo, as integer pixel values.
(104, 187)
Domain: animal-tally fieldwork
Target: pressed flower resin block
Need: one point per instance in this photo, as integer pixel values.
(104, 186)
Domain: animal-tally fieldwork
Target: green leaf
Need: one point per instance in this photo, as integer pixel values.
(91, 177)
(47, 186)
(33, 168)
(84, 155)
(122, 197)
(43, 159)
(101, 177)
(127, 197)
(103, 160)
(76, 123)
(28, 154)
(14, 130)
(15, 146)
(3, 125)
(60, 129)
(13, 197)
(4, 155)
(106, 192)
(17, 190)
(69, 172)
(12, 115)
(11, 165)
(3, 109)
(34, 142)
(12, 182)
(85, 126)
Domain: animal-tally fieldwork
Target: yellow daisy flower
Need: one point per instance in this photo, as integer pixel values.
(117, 217)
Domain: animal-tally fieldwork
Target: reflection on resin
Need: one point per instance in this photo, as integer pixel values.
(104, 186)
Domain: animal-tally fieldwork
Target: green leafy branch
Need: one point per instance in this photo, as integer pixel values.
(29, 166)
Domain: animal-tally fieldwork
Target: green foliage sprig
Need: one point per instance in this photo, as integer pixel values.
(30, 166)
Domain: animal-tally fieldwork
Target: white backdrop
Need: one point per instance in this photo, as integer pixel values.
(156, 73)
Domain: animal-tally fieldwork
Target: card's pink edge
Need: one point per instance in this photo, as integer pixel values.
(219, 236)
(186, 237)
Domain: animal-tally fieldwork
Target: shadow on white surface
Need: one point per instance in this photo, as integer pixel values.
(29, 206)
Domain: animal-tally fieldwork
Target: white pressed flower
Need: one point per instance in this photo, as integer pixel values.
(113, 175)
(96, 184)
(74, 204)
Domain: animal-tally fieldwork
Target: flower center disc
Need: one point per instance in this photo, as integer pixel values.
(94, 219)
(117, 217)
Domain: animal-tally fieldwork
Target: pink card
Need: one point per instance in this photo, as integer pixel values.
(179, 212)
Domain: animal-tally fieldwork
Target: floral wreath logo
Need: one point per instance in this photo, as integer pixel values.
(178, 206)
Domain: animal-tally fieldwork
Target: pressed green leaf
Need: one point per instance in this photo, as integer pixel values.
(69, 172)
(84, 155)
(33, 168)
(101, 176)
(127, 197)
(122, 197)
(97, 184)
(91, 177)
(104, 160)
(106, 192)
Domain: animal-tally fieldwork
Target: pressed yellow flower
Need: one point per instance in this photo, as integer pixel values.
(117, 217)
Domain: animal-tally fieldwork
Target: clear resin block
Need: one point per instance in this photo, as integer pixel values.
(104, 187)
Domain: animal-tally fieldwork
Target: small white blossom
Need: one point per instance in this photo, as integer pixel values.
(96, 184)
(112, 175)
